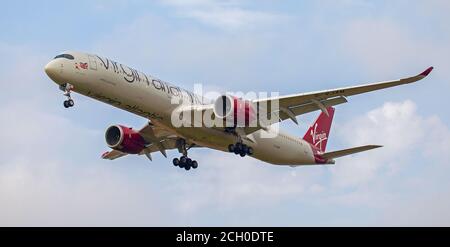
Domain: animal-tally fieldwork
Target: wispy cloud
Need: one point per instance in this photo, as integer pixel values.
(228, 15)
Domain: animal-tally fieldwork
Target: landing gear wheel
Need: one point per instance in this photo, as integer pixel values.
(185, 162)
(69, 103)
(182, 164)
(244, 149)
(231, 148)
(238, 146)
(183, 159)
(240, 149)
(194, 164)
(176, 162)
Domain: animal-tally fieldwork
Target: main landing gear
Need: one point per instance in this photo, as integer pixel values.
(67, 88)
(240, 149)
(184, 161)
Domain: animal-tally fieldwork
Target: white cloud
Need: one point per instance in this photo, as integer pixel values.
(44, 180)
(428, 209)
(376, 181)
(405, 136)
(54, 192)
(228, 15)
(228, 182)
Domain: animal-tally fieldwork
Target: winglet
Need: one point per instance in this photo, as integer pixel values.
(427, 72)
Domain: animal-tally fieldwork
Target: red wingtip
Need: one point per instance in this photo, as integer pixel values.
(427, 72)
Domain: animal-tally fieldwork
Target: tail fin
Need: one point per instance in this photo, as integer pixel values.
(318, 133)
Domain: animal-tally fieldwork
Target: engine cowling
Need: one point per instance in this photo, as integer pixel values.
(124, 139)
(234, 111)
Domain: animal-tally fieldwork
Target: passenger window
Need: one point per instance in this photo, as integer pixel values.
(67, 56)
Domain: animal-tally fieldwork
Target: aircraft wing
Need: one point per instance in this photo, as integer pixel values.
(293, 105)
(158, 139)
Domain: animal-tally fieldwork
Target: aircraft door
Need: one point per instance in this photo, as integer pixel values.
(92, 62)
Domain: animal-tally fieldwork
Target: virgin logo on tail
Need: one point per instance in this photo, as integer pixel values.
(317, 134)
(318, 138)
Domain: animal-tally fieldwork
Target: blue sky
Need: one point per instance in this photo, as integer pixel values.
(51, 173)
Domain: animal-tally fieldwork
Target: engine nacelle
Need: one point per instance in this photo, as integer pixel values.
(124, 139)
(234, 111)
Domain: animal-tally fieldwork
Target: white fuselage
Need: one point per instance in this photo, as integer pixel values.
(148, 97)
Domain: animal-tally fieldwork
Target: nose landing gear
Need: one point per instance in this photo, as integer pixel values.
(67, 88)
(240, 149)
(69, 103)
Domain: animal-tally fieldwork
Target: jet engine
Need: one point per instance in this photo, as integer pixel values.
(234, 111)
(124, 139)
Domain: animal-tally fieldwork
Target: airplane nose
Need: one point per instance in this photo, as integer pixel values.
(53, 70)
(50, 69)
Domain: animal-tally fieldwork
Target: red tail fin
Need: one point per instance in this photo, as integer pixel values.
(318, 133)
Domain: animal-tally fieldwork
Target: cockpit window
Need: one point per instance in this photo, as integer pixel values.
(68, 56)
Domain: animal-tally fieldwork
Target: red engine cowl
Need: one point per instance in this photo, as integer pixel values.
(124, 139)
(235, 112)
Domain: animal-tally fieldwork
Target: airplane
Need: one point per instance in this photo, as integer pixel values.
(126, 88)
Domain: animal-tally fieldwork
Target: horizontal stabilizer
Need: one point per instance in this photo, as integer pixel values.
(345, 152)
